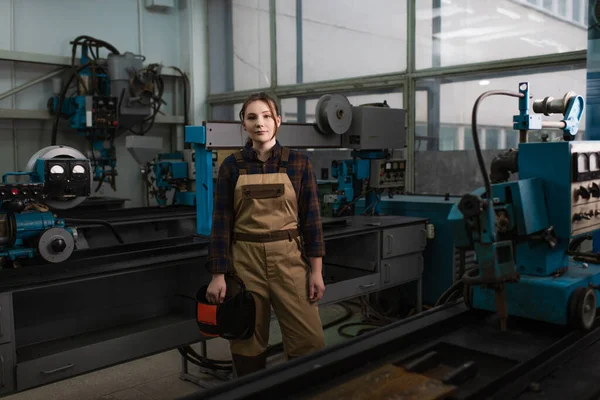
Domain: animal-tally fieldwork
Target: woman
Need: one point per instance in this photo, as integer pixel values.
(266, 224)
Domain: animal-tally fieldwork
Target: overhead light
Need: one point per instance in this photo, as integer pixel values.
(508, 13)
(535, 18)
(484, 82)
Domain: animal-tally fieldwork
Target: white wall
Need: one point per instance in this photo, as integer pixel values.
(46, 27)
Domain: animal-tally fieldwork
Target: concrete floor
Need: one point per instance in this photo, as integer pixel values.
(157, 377)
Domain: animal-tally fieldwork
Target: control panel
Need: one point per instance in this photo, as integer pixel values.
(21, 191)
(66, 178)
(101, 112)
(585, 190)
(388, 174)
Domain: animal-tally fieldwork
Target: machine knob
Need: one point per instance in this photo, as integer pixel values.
(583, 192)
(595, 190)
(16, 205)
(58, 245)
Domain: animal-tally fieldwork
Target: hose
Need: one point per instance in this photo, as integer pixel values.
(486, 178)
(61, 97)
(96, 222)
(456, 287)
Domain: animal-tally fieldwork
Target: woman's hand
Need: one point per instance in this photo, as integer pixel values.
(316, 287)
(217, 288)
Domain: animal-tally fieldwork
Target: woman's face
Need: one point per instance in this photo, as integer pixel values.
(259, 122)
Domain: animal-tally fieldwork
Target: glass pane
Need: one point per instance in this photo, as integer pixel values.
(577, 10)
(562, 8)
(492, 138)
(289, 110)
(224, 112)
(341, 40)
(448, 138)
(548, 4)
(468, 139)
(286, 41)
(452, 166)
(468, 31)
(421, 137)
(251, 44)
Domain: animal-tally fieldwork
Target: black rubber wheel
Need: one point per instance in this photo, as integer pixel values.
(468, 296)
(582, 308)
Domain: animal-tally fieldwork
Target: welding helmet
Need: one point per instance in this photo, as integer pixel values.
(234, 318)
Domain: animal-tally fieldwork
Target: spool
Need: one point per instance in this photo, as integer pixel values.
(333, 114)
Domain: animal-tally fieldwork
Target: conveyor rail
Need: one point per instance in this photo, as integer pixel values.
(506, 362)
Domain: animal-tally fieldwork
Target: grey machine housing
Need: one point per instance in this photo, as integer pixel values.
(364, 127)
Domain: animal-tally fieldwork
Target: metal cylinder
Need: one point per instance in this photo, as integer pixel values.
(57, 84)
(5, 231)
(29, 225)
(553, 124)
(120, 69)
(550, 105)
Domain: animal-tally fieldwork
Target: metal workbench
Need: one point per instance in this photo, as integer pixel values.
(530, 360)
(366, 254)
(62, 320)
(102, 307)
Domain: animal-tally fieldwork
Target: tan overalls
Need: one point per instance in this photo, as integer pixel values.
(267, 256)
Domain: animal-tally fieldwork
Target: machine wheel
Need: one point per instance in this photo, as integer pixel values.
(582, 308)
(468, 296)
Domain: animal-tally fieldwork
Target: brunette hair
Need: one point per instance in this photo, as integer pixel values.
(261, 96)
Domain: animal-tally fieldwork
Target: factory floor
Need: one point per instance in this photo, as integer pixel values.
(157, 377)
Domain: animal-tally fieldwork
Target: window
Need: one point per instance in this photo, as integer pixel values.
(492, 138)
(466, 31)
(577, 11)
(448, 138)
(341, 39)
(562, 8)
(446, 109)
(251, 44)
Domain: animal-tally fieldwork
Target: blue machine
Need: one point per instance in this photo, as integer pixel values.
(196, 136)
(526, 237)
(58, 177)
(368, 174)
(172, 172)
(111, 96)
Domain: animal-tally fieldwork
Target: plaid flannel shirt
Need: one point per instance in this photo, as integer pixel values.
(303, 179)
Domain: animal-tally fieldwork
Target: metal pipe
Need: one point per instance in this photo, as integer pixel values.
(31, 83)
(140, 29)
(554, 124)
(13, 83)
(273, 33)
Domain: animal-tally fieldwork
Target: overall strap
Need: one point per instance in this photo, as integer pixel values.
(285, 155)
(241, 163)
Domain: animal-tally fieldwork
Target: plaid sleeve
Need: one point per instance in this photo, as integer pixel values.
(310, 213)
(219, 261)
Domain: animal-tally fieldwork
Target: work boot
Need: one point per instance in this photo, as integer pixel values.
(245, 365)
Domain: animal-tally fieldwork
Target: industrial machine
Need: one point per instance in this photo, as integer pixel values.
(110, 96)
(173, 172)
(59, 178)
(372, 131)
(372, 170)
(525, 232)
